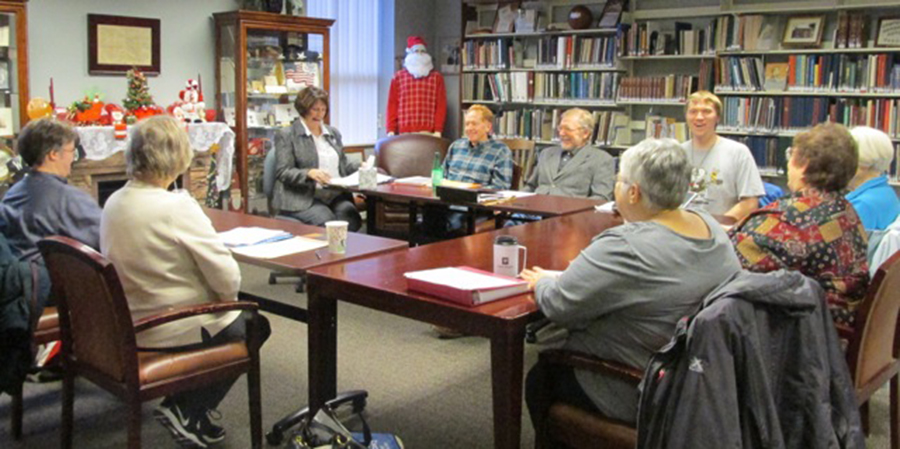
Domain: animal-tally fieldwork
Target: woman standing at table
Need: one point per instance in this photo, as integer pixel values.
(168, 255)
(308, 155)
(622, 296)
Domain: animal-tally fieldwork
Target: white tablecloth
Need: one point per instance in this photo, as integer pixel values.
(99, 143)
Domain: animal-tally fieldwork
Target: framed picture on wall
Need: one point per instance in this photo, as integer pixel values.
(449, 55)
(803, 32)
(118, 43)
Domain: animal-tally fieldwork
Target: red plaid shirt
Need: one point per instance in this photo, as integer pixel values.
(416, 105)
(817, 234)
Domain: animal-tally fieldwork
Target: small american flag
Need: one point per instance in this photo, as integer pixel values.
(303, 74)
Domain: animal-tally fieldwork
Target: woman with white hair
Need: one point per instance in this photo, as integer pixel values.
(623, 295)
(168, 255)
(873, 198)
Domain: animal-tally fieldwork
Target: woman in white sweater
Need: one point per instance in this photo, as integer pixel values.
(168, 255)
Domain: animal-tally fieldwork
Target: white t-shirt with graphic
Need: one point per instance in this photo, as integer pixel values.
(724, 175)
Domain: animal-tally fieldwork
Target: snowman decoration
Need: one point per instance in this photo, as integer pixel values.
(192, 105)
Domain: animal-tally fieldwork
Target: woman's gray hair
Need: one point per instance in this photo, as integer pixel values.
(159, 149)
(662, 170)
(875, 148)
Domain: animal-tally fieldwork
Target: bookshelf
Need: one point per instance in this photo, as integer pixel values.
(530, 76)
(725, 46)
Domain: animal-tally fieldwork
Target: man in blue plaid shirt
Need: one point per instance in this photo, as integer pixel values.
(475, 158)
(478, 158)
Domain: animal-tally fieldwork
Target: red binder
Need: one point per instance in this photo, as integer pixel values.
(468, 296)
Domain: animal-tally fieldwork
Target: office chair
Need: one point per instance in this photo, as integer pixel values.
(269, 190)
(100, 343)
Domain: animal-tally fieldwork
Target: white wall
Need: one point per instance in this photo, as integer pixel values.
(432, 20)
(57, 47)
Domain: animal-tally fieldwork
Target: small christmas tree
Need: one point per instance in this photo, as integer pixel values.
(138, 92)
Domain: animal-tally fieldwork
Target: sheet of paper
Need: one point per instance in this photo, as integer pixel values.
(514, 194)
(608, 207)
(280, 248)
(352, 180)
(457, 278)
(242, 236)
(414, 180)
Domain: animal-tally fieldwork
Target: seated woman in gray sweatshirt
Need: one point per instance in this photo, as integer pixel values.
(621, 298)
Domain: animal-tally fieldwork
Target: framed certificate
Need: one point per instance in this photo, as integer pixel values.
(888, 32)
(117, 43)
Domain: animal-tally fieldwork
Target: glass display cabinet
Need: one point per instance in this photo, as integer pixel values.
(13, 67)
(263, 60)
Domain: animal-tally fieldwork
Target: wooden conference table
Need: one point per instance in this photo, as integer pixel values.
(378, 283)
(414, 195)
(358, 246)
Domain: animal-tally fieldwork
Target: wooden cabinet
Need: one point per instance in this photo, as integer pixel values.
(262, 61)
(13, 66)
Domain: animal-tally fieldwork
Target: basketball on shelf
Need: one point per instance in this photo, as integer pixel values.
(580, 17)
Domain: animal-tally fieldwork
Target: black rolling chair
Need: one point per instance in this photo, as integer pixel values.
(269, 189)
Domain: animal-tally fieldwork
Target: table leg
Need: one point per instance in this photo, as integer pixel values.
(322, 337)
(413, 222)
(371, 215)
(507, 358)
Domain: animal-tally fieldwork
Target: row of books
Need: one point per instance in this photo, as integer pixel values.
(739, 73)
(649, 38)
(505, 87)
(488, 54)
(564, 52)
(520, 87)
(850, 31)
(788, 114)
(768, 152)
(587, 87)
(661, 127)
(879, 73)
(542, 124)
(657, 88)
(747, 33)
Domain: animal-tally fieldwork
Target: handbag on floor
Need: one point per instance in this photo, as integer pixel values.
(325, 431)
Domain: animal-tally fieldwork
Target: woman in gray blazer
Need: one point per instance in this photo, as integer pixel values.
(308, 155)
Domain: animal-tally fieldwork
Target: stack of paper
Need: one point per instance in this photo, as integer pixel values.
(353, 180)
(246, 236)
(280, 248)
(414, 180)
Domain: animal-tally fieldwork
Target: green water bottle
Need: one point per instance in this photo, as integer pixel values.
(437, 171)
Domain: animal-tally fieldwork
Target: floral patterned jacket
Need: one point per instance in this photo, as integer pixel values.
(818, 234)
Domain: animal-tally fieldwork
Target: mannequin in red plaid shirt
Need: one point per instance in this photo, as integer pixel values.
(417, 102)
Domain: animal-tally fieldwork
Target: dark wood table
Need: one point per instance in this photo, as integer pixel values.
(415, 195)
(358, 246)
(378, 283)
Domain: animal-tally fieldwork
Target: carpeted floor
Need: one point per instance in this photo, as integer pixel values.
(432, 393)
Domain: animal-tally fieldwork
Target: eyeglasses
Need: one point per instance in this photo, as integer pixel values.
(788, 153)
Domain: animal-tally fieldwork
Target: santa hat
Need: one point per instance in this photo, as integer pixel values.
(414, 43)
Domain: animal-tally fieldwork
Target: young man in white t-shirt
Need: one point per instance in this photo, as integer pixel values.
(725, 175)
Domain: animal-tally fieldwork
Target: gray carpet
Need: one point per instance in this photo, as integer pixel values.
(432, 393)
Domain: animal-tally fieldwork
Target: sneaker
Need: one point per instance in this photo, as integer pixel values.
(210, 432)
(183, 430)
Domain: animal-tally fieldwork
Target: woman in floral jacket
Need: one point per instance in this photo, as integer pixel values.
(815, 230)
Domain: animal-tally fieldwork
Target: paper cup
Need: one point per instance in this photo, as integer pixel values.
(337, 236)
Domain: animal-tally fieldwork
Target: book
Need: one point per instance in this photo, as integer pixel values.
(612, 12)
(464, 285)
(776, 76)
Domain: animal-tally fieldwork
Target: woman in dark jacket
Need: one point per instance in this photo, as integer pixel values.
(308, 155)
